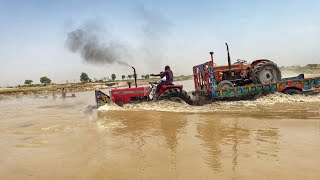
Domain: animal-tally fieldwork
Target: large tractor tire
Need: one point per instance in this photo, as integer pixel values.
(225, 84)
(266, 72)
(176, 95)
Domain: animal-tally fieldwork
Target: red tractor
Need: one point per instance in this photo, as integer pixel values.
(240, 73)
(122, 96)
(207, 78)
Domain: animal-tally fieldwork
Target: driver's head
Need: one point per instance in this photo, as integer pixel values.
(167, 67)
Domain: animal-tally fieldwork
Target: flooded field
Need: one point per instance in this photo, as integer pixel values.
(275, 137)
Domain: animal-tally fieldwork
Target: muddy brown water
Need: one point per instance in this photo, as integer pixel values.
(275, 137)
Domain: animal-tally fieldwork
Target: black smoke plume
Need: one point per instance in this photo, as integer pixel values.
(92, 50)
(153, 29)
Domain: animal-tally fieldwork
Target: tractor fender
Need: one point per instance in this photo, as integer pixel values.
(255, 62)
(166, 87)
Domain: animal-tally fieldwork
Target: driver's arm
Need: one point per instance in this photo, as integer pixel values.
(161, 74)
(155, 74)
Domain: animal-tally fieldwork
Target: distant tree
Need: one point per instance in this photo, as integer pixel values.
(142, 76)
(134, 75)
(129, 76)
(45, 80)
(123, 76)
(84, 77)
(312, 66)
(28, 82)
(147, 76)
(113, 77)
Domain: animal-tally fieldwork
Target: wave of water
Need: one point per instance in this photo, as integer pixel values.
(265, 101)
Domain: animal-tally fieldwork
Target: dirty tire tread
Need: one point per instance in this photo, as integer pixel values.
(258, 67)
(166, 93)
(176, 93)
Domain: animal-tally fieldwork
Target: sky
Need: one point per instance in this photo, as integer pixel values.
(152, 34)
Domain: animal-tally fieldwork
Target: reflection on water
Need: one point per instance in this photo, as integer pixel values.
(267, 143)
(62, 139)
(171, 129)
(219, 135)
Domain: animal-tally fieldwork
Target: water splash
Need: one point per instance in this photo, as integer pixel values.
(249, 105)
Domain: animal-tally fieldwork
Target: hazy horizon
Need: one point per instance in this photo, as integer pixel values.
(151, 34)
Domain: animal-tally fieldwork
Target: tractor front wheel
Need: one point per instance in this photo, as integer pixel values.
(225, 84)
(176, 95)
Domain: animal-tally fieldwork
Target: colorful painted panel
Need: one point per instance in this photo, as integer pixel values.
(296, 82)
(274, 87)
(283, 85)
(231, 92)
(259, 88)
(307, 84)
(228, 93)
(254, 89)
(102, 98)
(317, 82)
(245, 90)
(216, 94)
(239, 90)
(225, 93)
(267, 88)
(212, 80)
(200, 69)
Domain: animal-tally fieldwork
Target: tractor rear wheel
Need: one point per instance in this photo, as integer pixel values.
(266, 72)
(177, 95)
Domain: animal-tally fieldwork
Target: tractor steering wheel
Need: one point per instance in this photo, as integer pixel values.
(241, 61)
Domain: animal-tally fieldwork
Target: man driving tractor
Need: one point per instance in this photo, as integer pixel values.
(169, 78)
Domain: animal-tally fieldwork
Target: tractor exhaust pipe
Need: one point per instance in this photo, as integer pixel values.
(229, 60)
(135, 76)
(211, 54)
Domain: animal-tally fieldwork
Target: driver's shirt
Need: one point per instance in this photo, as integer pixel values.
(169, 76)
